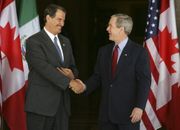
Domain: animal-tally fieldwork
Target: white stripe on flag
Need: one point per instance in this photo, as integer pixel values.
(30, 28)
(142, 127)
(164, 88)
(154, 87)
(152, 116)
(153, 52)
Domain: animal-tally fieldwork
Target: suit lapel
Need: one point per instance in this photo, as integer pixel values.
(125, 55)
(109, 64)
(64, 47)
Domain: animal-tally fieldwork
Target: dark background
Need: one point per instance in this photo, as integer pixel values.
(85, 26)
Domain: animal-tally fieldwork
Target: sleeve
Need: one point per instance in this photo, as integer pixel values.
(72, 65)
(143, 76)
(95, 79)
(37, 61)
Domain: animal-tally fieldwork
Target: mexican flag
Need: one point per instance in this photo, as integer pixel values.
(29, 25)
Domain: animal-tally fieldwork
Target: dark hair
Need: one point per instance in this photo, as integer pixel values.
(51, 10)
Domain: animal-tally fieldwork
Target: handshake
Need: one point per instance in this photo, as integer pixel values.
(76, 85)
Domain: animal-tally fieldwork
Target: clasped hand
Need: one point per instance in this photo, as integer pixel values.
(76, 85)
(67, 72)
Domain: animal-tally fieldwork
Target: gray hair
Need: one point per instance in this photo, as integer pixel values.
(125, 21)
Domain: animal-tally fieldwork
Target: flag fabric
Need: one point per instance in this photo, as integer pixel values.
(0, 77)
(161, 41)
(11, 68)
(1, 5)
(29, 24)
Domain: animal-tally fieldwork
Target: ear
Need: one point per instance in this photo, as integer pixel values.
(122, 29)
(47, 17)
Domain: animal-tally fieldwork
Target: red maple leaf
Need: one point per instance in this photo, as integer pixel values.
(11, 47)
(167, 47)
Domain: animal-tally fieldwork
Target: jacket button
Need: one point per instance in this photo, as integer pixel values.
(111, 85)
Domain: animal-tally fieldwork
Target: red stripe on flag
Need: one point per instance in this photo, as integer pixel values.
(164, 5)
(15, 116)
(161, 28)
(174, 115)
(4, 3)
(152, 100)
(147, 122)
(1, 99)
(11, 65)
(154, 70)
(156, 42)
(169, 114)
(1, 5)
(0, 84)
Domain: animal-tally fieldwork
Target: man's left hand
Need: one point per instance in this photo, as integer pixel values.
(67, 72)
(136, 115)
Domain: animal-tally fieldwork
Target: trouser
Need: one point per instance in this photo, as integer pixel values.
(41, 122)
(113, 126)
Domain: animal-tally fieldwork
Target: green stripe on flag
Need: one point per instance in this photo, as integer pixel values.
(29, 25)
(27, 11)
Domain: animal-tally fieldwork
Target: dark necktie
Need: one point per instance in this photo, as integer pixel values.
(58, 49)
(114, 60)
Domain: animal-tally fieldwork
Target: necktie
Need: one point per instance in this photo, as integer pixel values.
(114, 60)
(58, 49)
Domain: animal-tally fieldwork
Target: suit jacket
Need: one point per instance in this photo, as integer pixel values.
(130, 86)
(47, 87)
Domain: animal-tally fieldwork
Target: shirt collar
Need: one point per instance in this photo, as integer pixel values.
(50, 34)
(122, 44)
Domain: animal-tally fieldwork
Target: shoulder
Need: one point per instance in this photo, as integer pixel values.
(136, 46)
(106, 47)
(135, 50)
(35, 37)
(64, 38)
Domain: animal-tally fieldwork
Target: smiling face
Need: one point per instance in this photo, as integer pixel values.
(116, 34)
(113, 30)
(55, 24)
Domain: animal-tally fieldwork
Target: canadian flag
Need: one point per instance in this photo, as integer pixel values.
(11, 68)
(163, 105)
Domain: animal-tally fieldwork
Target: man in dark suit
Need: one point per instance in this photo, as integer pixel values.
(52, 70)
(122, 70)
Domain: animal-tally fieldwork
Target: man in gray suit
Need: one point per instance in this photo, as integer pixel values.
(52, 70)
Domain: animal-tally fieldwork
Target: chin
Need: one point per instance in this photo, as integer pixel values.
(59, 31)
(110, 39)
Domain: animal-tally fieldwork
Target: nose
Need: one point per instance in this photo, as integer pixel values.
(62, 23)
(107, 29)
